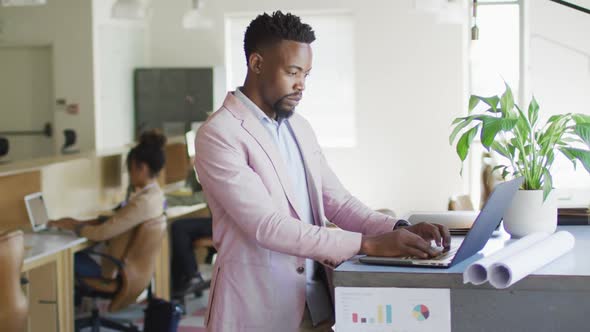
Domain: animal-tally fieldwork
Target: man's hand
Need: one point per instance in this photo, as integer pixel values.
(64, 223)
(439, 233)
(400, 242)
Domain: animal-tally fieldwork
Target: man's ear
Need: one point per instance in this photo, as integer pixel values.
(255, 63)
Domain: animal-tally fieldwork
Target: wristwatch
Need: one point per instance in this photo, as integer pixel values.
(401, 223)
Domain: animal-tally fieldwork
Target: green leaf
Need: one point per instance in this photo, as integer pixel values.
(550, 159)
(554, 118)
(511, 150)
(457, 129)
(582, 155)
(469, 118)
(457, 120)
(566, 140)
(492, 126)
(507, 100)
(465, 141)
(504, 168)
(533, 111)
(569, 156)
(473, 101)
(547, 184)
(583, 130)
(581, 118)
(498, 167)
(500, 149)
(523, 125)
(490, 101)
(528, 149)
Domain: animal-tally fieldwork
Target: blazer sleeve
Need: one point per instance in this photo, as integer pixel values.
(346, 211)
(228, 180)
(129, 216)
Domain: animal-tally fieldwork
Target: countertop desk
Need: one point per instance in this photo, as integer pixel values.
(555, 298)
(47, 248)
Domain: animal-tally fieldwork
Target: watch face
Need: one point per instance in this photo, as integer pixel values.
(402, 223)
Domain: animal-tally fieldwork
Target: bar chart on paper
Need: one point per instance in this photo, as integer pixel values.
(392, 309)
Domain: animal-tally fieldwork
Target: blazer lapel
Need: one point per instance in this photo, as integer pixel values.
(311, 173)
(253, 126)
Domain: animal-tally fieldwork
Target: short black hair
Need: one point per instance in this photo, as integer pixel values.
(149, 151)
(267, 29)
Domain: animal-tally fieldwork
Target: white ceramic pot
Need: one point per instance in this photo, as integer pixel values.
(529, 214)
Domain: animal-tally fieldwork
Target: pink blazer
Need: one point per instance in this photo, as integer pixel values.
(258, 280)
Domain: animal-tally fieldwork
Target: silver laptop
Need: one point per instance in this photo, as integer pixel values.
(483, 227)
(37, 211)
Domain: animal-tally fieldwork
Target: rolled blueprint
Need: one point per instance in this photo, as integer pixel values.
(477, 272)
(511, 269)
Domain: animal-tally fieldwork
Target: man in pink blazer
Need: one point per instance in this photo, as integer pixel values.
(271, 191)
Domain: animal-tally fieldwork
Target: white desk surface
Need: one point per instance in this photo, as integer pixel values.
(174, 212)
(40, 245)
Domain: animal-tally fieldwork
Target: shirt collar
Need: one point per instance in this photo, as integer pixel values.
(260, 115)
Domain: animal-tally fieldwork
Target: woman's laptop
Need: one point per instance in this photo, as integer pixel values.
(37, 211)
(483, 227)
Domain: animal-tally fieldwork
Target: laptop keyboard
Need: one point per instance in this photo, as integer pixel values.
(444, 255)
(441, 256)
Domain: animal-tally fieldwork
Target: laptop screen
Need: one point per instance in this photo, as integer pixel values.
(37, 211)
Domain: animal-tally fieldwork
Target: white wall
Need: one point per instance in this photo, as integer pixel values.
(559, 73)
(120, 46)
(410, 74)
(26, 99)
(66, 25)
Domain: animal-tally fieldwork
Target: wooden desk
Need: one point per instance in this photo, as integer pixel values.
(47, 248)
(555, 298)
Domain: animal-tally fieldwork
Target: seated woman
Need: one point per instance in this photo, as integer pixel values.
(146, 202)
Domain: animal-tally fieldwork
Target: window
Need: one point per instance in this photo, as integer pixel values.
(558, 72)
(495, 56)
(494, 59)
(329, 98)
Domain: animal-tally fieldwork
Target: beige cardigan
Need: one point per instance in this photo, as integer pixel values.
(118, 230)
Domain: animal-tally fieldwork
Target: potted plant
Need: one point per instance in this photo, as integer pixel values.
(528, 147)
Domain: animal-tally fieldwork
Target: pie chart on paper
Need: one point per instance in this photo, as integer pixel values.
(421, 312)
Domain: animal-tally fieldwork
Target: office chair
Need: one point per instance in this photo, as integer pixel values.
(134, 274)
(13, 303)
(70, 138)
(4, 146)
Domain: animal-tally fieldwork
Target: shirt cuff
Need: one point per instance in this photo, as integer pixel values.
(401, 223)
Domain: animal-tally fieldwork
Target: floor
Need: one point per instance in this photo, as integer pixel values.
(193, 321)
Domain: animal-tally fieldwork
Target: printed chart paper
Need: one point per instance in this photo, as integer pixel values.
(372, 309)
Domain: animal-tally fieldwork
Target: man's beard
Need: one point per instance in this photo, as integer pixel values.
(281, 110)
